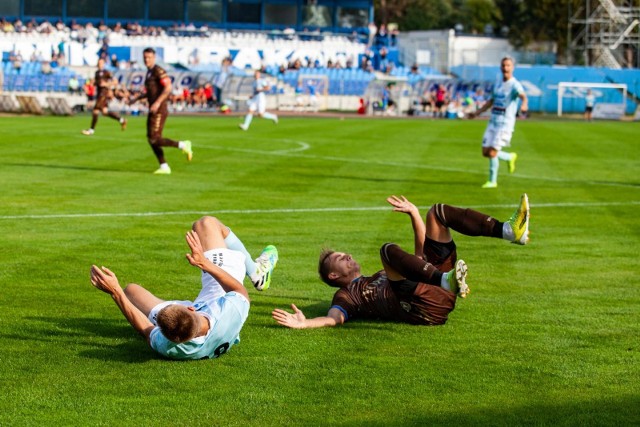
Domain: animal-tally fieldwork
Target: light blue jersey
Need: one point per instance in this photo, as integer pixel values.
(226, 316)
(259, 86)
(505, 104)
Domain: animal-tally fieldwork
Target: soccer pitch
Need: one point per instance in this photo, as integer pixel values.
(548, 336)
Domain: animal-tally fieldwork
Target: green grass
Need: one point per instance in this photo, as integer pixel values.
(548, 336)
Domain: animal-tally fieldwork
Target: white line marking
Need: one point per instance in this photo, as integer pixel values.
(303, 210)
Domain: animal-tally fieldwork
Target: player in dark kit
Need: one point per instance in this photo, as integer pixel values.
(157, 90)
(419, 289)
(104, 82)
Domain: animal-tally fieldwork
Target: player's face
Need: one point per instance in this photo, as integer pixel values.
(149, 59)
(343, 264)
(507, 68)
(100, 64)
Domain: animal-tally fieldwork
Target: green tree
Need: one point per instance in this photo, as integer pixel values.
(477, 14)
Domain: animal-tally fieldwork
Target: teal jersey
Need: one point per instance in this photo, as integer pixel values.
(226, 316)
(505, 103)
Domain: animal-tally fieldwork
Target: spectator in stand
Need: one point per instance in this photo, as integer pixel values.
(382, 38)
(440, 101)
(74, 85)
(209, 95)
(373, 30)
(16, 60)
(90, 90)
(221, 79)
(384, 65)
(7, 26)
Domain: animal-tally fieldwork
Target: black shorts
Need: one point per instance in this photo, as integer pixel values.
(588, 109)
(443, 256)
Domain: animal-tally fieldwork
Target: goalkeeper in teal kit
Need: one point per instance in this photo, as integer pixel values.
(210, 325)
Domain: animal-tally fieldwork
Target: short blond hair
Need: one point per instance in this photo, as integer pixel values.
(178, 323)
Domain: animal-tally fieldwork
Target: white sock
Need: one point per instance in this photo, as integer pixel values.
(503, 155)
(164, 166)
(121, 119)
(270, 116)
(507, 232)
(181, 145)
(444, 283)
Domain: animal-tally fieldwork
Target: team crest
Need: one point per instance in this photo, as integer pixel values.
(405, 306)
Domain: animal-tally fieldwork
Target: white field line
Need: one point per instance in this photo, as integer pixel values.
(299, 210)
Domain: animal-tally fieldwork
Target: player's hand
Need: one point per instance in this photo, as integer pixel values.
(401, 204)
(196, 257)
(104, 279)
(154, 108)
(293, 320)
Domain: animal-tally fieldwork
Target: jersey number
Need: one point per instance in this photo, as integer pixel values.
(222, 349)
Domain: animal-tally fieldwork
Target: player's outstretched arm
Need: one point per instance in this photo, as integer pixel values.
(297, 320)
(401, 204)
(482, 109)
(197, 259)
(105, 280)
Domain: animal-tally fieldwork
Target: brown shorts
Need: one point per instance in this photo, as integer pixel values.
(443, 256)
(102, 100)
(155, 123)
(430, 305)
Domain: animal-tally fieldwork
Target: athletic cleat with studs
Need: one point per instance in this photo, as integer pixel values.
(512, 162)
(123, 124)
(266, 262)
(519, 222)
(187, 150)
(88, 132)
(243, 126)
(490, 184)
(457, 279)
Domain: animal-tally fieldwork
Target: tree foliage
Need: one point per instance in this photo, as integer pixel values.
(525, 21)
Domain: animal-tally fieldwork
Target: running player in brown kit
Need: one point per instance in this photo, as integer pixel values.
(413, 289)
(157, 90)
(103, 81)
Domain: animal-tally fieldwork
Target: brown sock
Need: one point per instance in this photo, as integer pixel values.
(467, 221)
(94, 120)
(114, 116)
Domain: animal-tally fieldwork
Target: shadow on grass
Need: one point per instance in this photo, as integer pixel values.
(605, 411)
(73, 167)
(82, 330)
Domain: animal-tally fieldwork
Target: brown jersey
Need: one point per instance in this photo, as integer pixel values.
(374, 298)
(155, 82)
(102, 81)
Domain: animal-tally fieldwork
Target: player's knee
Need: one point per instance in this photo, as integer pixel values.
(105, 111)
(153, 140)
(207, 222)
(131, 289)
(436, 214)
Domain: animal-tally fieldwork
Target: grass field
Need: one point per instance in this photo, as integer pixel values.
(549, 335)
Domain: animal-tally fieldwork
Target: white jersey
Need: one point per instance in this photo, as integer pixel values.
(505, 104)
(259, 101)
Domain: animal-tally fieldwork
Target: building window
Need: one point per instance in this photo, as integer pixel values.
(317, 16)
(43, 7)
(166, 10)
(129, 9)
(280, 14)
(204, 10)
(352, 17)
(243, 13)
